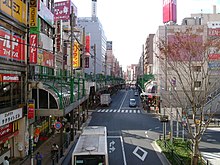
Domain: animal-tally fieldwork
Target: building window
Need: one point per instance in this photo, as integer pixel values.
(197, 85)
(196, 68)
(11, 90)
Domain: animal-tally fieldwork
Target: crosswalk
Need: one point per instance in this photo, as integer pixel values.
(119, 111)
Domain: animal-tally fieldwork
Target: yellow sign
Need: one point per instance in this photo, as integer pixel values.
(14, 8)
(33, 17)
(76, 55)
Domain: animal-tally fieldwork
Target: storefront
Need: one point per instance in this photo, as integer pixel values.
(9, 128)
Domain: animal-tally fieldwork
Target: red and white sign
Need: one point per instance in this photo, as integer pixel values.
(12, 46)
(169, 11)
(214, 56)
(6, 129)
(62, 10)
(31, 109)
(33, 49)
(214, 32)
(9, 78)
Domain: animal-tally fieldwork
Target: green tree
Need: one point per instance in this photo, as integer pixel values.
(189, 74)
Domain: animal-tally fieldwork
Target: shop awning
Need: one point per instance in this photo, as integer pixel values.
(54, 99)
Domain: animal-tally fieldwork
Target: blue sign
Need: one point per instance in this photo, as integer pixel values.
(57, 125)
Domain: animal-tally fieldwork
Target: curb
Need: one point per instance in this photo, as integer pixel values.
(160, 154)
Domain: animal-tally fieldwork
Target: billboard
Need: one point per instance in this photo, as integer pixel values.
(45, 58)
(16, 9)
(76, 55)
(46, 14)
(169, 11)
(180, 50)
(9, 78)
(63, 10)
(12, 46)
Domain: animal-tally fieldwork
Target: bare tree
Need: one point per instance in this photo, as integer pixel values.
(185, 59)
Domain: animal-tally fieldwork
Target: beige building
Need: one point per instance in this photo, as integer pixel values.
(200, 24)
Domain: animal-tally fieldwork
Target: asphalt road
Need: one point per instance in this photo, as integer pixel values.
(130, 131)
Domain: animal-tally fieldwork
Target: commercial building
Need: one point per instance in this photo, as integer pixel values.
(13, 79)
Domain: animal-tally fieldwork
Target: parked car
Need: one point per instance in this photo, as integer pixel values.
(132, 103)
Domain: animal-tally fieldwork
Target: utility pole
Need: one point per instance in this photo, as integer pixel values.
(105, 66)
(171, 118)
(83, 53)
(72, 25)
(143, 67)
(94, 72)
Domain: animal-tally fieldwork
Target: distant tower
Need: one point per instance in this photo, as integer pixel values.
(94, 9)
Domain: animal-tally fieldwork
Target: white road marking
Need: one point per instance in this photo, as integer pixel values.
(103, 110)
(126, 111)
(143, 155)
(138, 111)
(107, 110)
(211, 140)
(115, 110)
(122, 111)
(119, 110)
(123, 151)
(134, 111)
(99, 110)
(146, 134)
(111, 110)
(130, 111)
(123, 100)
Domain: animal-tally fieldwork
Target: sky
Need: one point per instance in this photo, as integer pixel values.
(128, 23)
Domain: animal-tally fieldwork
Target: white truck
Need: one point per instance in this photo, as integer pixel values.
(105, 99)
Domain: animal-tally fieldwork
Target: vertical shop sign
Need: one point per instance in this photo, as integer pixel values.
(33, 13)
(33, 49)
(87, 48)
(31, 109)
(76, 55)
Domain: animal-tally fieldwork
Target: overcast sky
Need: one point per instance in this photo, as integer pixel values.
(127, 23)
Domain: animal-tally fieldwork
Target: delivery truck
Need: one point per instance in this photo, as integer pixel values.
(105, 99)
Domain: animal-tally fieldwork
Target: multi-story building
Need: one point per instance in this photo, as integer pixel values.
(148, 55)
(94, 28)
(13, 78)
(203, 25)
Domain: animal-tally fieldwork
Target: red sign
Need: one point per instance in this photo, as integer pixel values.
(33, 49)
(9, 78)
(48, 59)
(12, 46)
(5, 130)
(214, 56)
(169, 11)
(62, 10)
(30, 109)
(214, 32)
(87, 48)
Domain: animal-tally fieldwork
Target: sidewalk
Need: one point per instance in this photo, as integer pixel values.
(45, 149)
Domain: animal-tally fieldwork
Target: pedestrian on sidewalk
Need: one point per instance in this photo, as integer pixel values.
(6, 160)
(54, 152)
(39, 158)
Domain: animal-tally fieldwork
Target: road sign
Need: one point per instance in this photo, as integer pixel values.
(58, 125)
